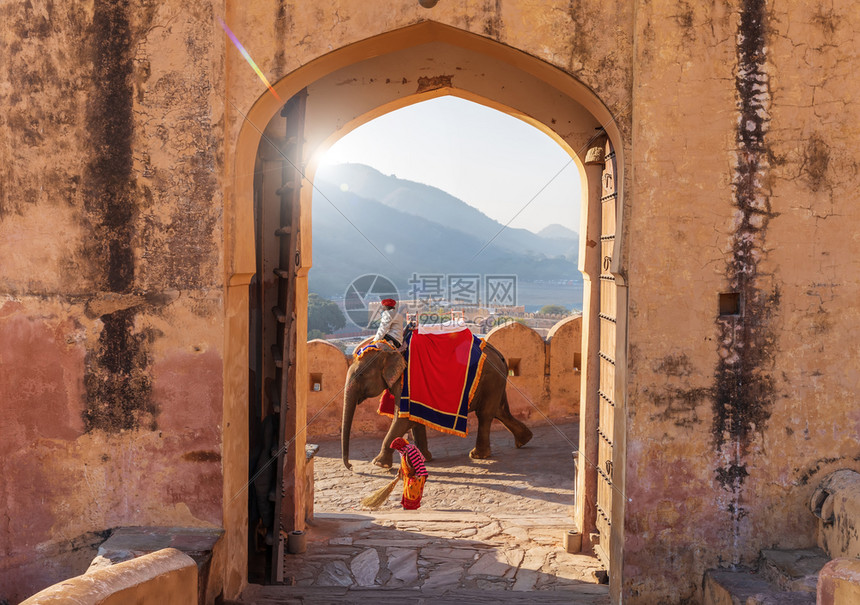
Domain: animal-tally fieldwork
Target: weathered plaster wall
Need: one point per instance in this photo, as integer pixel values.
(591, 40)
(116, 173)
(528, 387)
(564, 344)
(111, 312)
(745, 181)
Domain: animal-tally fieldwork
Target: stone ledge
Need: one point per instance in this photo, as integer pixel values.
(199, 543)
(167, 576)
(793, 570)
(839, 583)
(745, 587)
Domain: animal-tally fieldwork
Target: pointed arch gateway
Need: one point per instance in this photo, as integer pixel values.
(328, 98)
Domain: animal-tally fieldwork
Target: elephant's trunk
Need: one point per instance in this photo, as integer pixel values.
(351, 398)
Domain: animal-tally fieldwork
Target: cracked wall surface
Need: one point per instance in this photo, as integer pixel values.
(111, 332)
(744, 182)
(117, 147)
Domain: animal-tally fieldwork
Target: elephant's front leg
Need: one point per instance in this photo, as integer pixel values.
(482, 445)
(398, 428)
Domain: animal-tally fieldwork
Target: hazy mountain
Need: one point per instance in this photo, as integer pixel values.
(566, 239)
(556, 231)
(372, 223)
(440, 207)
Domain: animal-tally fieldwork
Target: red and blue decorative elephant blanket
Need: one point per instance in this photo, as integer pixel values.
(440, 380)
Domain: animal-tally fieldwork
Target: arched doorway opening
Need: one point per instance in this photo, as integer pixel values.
(351, 86)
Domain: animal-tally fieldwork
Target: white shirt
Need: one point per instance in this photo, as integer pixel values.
(391, 323)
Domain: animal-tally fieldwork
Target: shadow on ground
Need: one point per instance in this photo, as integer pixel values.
(488, 530)
(402, 556)
(537, 479)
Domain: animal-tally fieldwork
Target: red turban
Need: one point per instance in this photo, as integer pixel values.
(398, 444)
(389, 302)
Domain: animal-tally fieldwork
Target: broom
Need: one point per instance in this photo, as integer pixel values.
(378, 498)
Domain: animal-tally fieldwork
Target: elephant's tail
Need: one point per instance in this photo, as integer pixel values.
(522, 434)
(504, 408)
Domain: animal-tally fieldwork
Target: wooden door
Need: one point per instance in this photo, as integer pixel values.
(606, 387)
(277, 217)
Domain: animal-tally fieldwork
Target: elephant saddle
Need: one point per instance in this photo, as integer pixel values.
(441, 377)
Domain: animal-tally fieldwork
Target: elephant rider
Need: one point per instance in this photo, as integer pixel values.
(391, 323)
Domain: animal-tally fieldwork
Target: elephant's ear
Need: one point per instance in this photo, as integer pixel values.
(393, 368)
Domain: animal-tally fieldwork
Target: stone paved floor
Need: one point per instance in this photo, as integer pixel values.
(487, 531)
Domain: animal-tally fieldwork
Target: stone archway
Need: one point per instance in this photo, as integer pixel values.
(355, 84)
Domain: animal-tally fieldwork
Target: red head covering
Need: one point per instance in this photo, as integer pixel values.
(389, 302)
(398, 444)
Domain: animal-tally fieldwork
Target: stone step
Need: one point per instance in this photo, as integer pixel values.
(746, 587)
(585, 594)
(793, 570)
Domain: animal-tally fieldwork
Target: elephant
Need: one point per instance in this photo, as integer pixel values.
(380, 370)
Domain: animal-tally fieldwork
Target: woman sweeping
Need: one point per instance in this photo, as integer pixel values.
(412, 471)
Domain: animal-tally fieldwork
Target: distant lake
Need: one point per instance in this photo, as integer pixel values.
(531, 295)
(535, 295)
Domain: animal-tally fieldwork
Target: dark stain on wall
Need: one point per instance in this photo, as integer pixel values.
(744, 389)
(44, 93)
(579, 47)
(648, 36)
(110, 181)
(684, 19)
(827, 20)
(184, 244)
(116, 379)
(426, 84)
(684, 16)
(806, 475)
(493, 26)
(816, 159)
(179, 247)
(673, 365)
(281, 32)
(732, 474)
(35, 25)
(681, 406)
(202, 456)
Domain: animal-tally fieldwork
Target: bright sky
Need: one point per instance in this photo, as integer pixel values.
(486, 158)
